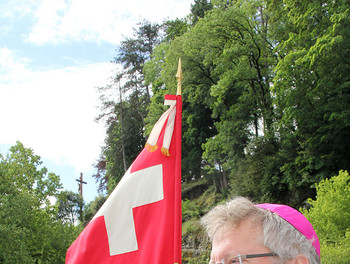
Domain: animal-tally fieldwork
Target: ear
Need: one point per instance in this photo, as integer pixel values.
(300, 259)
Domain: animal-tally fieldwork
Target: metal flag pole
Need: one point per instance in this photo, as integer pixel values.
(178, 209)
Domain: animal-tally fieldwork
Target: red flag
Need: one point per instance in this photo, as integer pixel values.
(141, 220)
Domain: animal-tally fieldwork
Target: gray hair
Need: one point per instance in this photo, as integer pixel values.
(278, 235)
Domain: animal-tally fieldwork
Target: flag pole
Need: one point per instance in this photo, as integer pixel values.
(178, 210)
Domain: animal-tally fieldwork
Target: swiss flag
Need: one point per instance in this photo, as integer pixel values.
(141, 220)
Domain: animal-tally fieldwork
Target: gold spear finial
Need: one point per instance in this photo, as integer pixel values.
(179, 77)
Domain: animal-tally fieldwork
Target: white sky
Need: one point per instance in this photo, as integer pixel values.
(53, 55)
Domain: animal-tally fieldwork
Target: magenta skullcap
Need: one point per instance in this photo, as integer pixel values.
(297, 220)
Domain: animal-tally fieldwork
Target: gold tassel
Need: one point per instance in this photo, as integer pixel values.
(151, 148)
(165, 152)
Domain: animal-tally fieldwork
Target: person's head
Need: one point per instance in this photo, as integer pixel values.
(266, 233)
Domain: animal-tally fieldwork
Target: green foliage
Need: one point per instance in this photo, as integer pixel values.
(70, 207)
(312, 88)
(196, 207)
(336, 252)
(174, 28)
(29, 230)
(196, 245)
(330, 216)
(199, 8)
(92, 208)
(189, 210)
(261, 166)
(330, 212)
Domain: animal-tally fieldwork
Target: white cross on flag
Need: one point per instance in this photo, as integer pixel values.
(141, 220)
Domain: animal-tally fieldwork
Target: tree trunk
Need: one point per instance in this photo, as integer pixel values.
(122, 127)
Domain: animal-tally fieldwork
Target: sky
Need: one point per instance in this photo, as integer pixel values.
(53, 56)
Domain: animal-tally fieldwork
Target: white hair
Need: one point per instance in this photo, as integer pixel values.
(278, 235)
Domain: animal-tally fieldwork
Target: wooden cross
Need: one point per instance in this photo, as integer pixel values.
(81, 182)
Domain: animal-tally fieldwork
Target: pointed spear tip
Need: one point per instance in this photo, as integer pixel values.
(179, 77)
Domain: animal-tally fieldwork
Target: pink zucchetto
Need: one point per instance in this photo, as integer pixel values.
(297, 220)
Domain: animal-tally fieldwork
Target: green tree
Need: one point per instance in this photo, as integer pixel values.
(174, 28)
(132, 54)
(125, 111)
(330, 215)
(29, 230)
(124, 141)
(70, 206)
(199, 8)
(312, 92)
(231, 40)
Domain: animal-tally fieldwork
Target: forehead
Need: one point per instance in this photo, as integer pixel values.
(245, 238)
